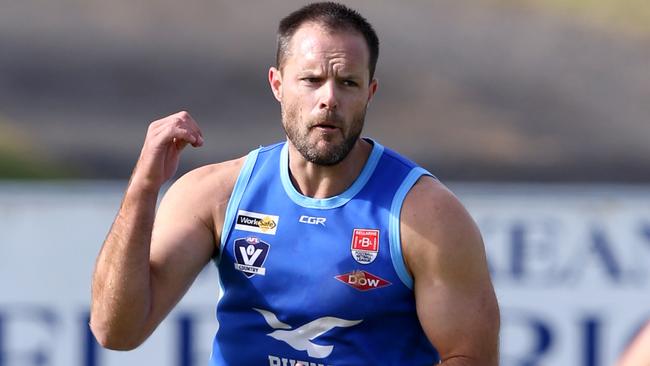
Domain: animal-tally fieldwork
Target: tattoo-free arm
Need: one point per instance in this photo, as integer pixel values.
(144, 267)
(454, 296)
(142, 270)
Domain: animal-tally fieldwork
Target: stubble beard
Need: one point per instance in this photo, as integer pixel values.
(310, 151)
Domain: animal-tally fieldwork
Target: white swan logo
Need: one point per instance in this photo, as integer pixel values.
(300, 337)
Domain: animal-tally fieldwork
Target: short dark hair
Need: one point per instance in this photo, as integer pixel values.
(333, 16)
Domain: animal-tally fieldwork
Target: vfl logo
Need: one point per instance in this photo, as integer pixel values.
(362, 280)
(256, 222)
(365, 245)
(312, 220)
(250, 254)
(299, 338)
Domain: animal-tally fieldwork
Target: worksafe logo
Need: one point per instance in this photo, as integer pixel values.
(250, 255)
(256, 222)
(365, 245)
(301, 338)
(362, 280)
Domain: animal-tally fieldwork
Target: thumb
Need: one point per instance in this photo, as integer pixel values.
(180, 144)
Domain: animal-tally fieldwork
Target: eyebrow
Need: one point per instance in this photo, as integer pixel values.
(317, 72)
(310, 72)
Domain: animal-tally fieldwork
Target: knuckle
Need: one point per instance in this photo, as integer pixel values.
(177, 122)
(153, 125)
(182, 132)
(183, 115)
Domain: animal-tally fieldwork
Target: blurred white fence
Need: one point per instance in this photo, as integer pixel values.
(571, 266)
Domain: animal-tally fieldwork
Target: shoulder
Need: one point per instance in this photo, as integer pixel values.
(204, 192)
(437, 231)
(213, 180)
(454, 296)
(429, 204)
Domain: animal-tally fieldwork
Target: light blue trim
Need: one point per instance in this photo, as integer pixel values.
(394, 238)
(334, 201)
(235, 197)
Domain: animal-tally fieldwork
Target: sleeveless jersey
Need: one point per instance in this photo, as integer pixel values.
(317, 281)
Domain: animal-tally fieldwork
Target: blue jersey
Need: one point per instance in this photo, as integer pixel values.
(317, 281)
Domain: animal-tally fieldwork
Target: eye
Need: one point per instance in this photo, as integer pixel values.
(311, 80)
(350, 83)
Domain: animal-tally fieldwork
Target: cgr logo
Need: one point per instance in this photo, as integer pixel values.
(312, 220)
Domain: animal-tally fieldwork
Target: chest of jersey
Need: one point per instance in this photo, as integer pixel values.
(311, 280)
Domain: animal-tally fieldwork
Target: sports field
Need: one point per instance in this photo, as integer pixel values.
(628, 16)
(544, 90)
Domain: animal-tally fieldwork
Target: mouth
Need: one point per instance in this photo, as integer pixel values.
(326, 126)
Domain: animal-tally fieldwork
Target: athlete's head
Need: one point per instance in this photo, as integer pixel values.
(334, 17)
(324, 79)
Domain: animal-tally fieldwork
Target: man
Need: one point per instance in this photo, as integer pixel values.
(331, 249)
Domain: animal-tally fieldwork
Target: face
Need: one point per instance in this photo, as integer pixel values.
(324, 89)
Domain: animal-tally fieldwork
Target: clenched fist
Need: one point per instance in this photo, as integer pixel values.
(159, 157)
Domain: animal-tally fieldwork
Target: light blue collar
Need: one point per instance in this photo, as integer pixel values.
(334, 201)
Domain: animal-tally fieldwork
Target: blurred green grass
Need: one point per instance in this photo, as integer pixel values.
(631, 17)
(18, 166)
(21, 159)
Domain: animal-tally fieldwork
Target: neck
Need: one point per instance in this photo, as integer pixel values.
(318, 181)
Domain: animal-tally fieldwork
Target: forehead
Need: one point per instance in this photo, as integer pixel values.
(313, 43)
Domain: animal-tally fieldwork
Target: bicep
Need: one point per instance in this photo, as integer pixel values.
(455, 300)
(182, 243)
(460, 319)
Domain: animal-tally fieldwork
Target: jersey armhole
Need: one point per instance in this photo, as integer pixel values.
(235, 199)
(394, 237)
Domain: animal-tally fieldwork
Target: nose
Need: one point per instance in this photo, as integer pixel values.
(328, 96)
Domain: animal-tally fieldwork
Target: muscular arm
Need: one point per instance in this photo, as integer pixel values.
(147, 264)
(120, 291)
(454, 296)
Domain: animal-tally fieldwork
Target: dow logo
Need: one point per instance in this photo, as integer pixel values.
(362, 280)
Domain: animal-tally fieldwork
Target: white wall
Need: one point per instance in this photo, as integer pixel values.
(571, 267)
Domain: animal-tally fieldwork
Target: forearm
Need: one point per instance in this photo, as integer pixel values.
(121, 291)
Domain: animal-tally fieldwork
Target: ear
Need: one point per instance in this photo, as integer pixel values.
(275, 80)
(372, 89)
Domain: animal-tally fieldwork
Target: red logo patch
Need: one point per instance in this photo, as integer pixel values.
(362, 280)
(365, 245)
